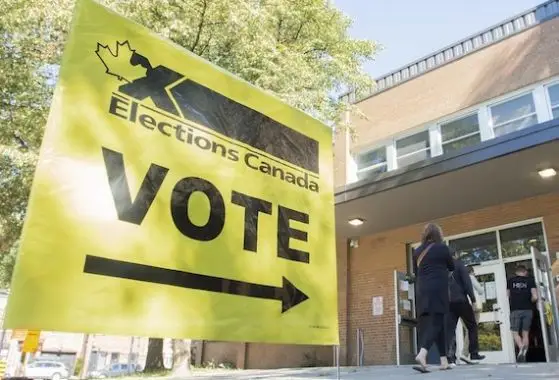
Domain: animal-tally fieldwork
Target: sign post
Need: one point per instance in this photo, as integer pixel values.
(173, 199)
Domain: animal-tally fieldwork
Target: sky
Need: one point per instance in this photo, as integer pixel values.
(411, 29)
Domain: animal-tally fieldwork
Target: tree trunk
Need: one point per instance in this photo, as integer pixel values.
(181, 357)
(154, 359)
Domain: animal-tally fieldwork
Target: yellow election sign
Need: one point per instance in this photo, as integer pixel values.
(172, 199)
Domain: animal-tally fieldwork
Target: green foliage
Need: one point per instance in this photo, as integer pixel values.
(299, 50)
(213, 364)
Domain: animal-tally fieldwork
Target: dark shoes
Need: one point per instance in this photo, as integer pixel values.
(473, 359)
(477, 357)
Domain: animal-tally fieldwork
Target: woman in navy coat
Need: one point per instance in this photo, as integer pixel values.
(432, 264)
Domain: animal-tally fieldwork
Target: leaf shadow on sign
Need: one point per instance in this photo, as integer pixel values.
(241, 319)
(125, 299)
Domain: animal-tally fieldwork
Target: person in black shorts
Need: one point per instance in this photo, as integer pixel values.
(522, 293)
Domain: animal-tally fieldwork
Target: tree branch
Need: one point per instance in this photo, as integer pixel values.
(200, 24)
(278, 36)
(206, 45)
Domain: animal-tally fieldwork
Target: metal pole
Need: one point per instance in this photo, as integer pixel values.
(130, 355)
(553, 300)
(358, 348)
(397, 317)
(338, 361)
(3, 333)
(85, 344)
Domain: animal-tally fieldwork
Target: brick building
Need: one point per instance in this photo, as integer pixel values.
(465, 137)
(461, 137)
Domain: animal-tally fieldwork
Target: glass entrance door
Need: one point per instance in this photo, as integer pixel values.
(495, 340)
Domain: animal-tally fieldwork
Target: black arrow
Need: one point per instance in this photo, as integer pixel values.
(288, 294)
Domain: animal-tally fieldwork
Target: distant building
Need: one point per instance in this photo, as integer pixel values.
(103, 350)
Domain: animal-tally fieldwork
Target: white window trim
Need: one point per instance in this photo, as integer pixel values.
(517, 119)
(484, 120)
(542, 104)
(548, 98)
(520, 223)
(364, 151)
(460, 138)
(440, 148)
(391, 155)
(495, 228)
(410, 133)
(372, 167)
(543, 111)
(506, 100)
(435, 142)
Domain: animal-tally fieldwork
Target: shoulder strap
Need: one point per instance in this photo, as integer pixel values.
(422, 254)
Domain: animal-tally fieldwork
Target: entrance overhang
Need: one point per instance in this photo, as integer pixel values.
(497, 171)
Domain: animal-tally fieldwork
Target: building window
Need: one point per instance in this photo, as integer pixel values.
(476, 249)
(115, 356)
(460, 133)
(371, 162)
(513, 115)
(517, 241)
(412, 149)
(554, 100)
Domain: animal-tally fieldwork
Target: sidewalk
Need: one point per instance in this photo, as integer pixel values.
(526, 371)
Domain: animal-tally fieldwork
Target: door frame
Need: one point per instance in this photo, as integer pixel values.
(500, 313)
(544, 281)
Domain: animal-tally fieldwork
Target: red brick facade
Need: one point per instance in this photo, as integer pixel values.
(371, 266)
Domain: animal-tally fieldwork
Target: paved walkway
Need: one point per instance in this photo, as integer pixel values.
(525, 371)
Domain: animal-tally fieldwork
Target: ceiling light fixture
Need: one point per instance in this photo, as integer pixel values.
(547, 173)
(356, 221)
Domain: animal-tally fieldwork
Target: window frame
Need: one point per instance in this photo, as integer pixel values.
(512, 98)
(496, 230)
(548, 97)
(459, 117)
(412, 132)
(374, 166)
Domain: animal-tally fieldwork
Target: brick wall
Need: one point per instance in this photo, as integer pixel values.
(372, 264)
(501, 68)
(287, 356)
(265, 356)
(224, 353)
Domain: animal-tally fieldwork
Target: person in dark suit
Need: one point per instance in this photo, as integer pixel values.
(432, 262)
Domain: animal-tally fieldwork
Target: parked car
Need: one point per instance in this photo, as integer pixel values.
(43, 369)
(115, 370)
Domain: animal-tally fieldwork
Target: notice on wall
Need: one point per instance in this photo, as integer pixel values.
(172, 199)
(406, 305)
(404, 285)
(490, 290)
(377, 306)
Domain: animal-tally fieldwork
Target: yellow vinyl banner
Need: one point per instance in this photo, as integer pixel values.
(172, 199)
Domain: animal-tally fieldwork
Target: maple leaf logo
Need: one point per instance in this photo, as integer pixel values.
(118, 63)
